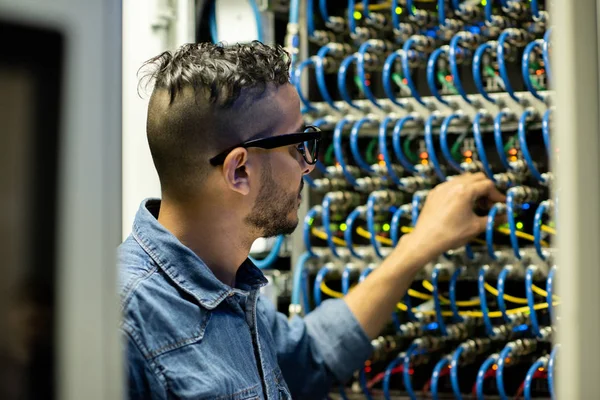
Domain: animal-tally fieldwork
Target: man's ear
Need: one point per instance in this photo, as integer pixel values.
(236, 172)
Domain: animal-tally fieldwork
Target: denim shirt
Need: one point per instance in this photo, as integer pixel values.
(190, 336)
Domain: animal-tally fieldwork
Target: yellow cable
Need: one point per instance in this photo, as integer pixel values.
(522, 235)
(549, 229)
(367, 235)
(323, 235)
(475, 314)
(466, 303)
(538, 290)
(419, 295)
(330, 292)
(507, 297)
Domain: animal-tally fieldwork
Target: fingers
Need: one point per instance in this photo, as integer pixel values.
(486, 189)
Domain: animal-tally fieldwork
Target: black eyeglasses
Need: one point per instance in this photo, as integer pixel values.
(308, 144)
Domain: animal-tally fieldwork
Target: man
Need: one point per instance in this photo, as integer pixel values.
(218, 127)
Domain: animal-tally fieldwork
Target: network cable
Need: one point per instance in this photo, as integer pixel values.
(522, 132)
(432, 73)
(483, 370)
(396, 141)
(454, 372)
(383, 150)
(407, 56)
(359, 211)
(360, 67)
(459, 116)
(430, 146)
(479, 144)
(525, 62)
(442, 365)
(387, 76)
(535, 328)
(453, 53)
(500, 50)
(320, 75)
(476, 66)
(500, 293)
(272, 256)
(502, 115)
(354, 148)
(298, 84)
(538, 365)
(341, 80)
(337, 148)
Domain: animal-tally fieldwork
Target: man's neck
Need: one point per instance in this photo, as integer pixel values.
(217, 238)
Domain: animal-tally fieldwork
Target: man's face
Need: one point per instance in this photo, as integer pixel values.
(275, 210)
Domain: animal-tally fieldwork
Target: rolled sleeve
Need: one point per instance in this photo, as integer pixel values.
(342, 342)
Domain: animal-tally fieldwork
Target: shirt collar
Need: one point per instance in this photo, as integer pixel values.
(182, 265)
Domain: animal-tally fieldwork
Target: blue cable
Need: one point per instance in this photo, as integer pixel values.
(406, 67)
(409, 5)
(294, 18)
(487, 322)
(500, 298)
(395, 17)
(320, 75)
(388, 374)
(395, 224)
(386, 76)
(480, 146)
(360, 70)
(346, 279)
(525, 68)
(350, 220)
(498, 138)
(308, 220)
(351, 19)
(371, 224)
(416, 203)
(456, 5)
(441, 12)
(510, 210)
(500, 371)
(338, 151)
(489, 230)
(383, 127)
(327, 224)
(454, 372)
(341, 80)
(529, 378)
(522, 131)
(406, 372)
(487, 364)
(546, 54)
(452, 54)
(323, 10)
(535, 8)
(362, 380)
(535, 327)
(551, 371)
(354, 144)
(309, 181)
(259, 27)
(537, 228)
(396, 137)
(435, 376)
(550, 293)
(431, 74)
(310, 18)
(298, 83)
(456, 317)
(431, 148)
(444, 141)
(502, 66)
(272, 256)
(488, 11)
(546, 131)
(213, 21)
(363, 275)
(297, 279)
(477, 75)
(305, 292)
(321, 275)
(436, 301)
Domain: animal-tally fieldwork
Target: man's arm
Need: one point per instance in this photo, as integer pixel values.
(446, 222)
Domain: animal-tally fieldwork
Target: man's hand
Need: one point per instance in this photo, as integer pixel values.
(447, 220)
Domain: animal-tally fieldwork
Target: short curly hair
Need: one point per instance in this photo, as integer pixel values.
(197, 106)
